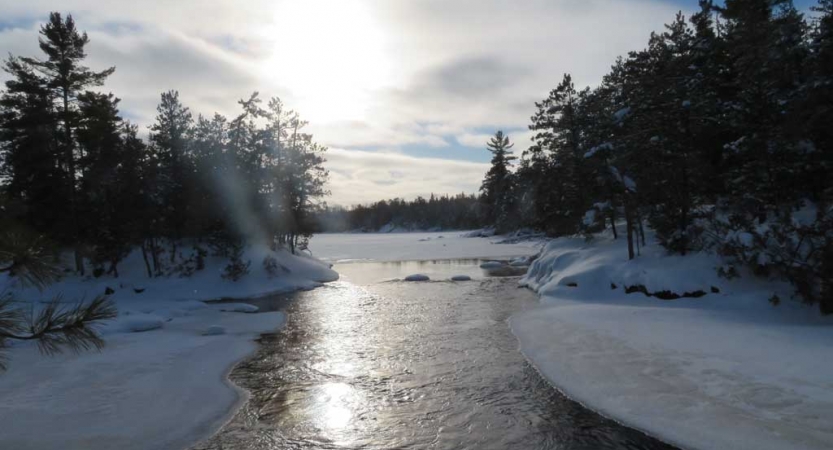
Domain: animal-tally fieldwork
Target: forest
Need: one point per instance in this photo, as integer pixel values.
(717, 135)
(75, 174)
(438, 212)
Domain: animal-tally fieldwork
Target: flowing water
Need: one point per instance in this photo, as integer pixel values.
(374, 363)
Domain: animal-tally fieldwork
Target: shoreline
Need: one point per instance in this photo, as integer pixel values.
(756, 376)
(675, 392)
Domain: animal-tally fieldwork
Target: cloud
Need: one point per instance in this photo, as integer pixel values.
(474, 140)
(358, 177)
(453, 70)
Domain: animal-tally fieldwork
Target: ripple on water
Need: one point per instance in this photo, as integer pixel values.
(407, 365)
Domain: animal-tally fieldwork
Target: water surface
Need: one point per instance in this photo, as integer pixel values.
(367, 362)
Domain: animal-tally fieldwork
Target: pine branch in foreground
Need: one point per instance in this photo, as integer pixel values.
(56, 327)
(28, 258)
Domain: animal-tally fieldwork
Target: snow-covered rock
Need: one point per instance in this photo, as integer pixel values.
(484, 232)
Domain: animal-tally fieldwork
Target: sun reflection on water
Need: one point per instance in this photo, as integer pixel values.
(333, 401)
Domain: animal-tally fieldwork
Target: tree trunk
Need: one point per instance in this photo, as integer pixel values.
(613, 224)
(683, 230)
(73, 200)
(641, 231)
(629, 229)
(145, 257)
(154, 254)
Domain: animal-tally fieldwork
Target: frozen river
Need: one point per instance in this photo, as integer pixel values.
(372, 362)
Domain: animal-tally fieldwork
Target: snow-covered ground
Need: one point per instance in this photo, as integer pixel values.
(727, 370)
(160, 382)
(347, 247)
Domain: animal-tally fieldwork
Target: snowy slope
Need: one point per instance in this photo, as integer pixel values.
(727, 370)
(161, 380)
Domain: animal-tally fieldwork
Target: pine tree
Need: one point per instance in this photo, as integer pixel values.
(65, 77)
(498, 186)
(31, 158)
(170, 141)
(556, 160)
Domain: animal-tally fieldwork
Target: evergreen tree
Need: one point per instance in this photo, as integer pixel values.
(498, 186)
(31, 158)
(169, 139)
(63, 74)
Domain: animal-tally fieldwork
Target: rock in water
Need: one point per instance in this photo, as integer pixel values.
(417, 277)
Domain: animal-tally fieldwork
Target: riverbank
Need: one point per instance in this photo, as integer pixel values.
(724, 370)
(161, 381)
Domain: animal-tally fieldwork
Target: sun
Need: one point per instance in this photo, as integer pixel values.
(330, 54)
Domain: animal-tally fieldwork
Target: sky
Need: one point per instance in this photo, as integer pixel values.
(404, 93)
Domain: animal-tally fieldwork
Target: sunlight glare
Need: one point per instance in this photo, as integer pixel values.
(333, 400)
(330, 54)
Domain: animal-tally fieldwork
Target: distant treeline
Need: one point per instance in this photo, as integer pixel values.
(458, 212)
(719, 134)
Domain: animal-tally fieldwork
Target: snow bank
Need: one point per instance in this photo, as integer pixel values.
(133, 287)
(139, 323)
(163, 389)
(237, 307)
(161, 380)
(726, 370)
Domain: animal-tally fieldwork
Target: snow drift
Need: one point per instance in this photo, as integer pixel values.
(161, 380)
(725, 370)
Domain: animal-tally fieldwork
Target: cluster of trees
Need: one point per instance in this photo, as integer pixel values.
(457, 212)
(717, 135)
(73, 170)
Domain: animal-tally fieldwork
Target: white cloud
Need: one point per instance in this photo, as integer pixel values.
(362, 177)
(436, 68)
(474, 140)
